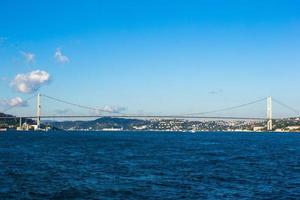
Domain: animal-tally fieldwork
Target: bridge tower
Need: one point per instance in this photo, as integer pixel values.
(269, 114)
(38, 110)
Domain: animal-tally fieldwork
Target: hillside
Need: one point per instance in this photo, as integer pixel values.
(13, 122)
(101, 123)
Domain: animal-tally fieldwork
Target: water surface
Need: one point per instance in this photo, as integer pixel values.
(145, 165)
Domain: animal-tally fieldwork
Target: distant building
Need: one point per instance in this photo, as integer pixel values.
(28, 127)
(293, 128)
(139, 127)
(258, 128)
(112, 129)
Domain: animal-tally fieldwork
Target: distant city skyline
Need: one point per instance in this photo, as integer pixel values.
(150, 57)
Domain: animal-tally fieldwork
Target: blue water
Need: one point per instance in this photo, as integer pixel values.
(127, 165)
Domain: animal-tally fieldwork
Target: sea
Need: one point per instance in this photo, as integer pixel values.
(149, 165)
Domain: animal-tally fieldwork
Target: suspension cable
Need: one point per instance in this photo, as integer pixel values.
(286, 106)
(11, 107)
(228, 108)
(78, 105)
(199, 113)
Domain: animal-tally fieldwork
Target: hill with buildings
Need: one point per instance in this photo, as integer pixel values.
(113, 124)
(11, 122)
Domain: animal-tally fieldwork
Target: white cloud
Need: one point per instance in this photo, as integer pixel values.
(216, 92)
(30, 82)
(114, 109)
(63, 111)
(60, 57)
(29, 57)
(17, 101)
(3, 79)
(110, 109)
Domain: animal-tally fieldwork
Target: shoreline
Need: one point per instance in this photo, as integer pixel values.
(145, 131)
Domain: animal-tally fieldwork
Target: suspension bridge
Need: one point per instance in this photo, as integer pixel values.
(107, 113)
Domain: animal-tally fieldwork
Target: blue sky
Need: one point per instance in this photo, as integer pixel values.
(151, 56)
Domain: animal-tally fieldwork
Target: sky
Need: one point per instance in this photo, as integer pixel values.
(152, 57)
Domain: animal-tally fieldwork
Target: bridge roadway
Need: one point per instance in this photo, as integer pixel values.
(137, 116)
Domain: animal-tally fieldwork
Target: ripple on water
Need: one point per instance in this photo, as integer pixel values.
(149, 166)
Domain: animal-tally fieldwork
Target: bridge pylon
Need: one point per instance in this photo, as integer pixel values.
(269, 114)
(38, 110)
